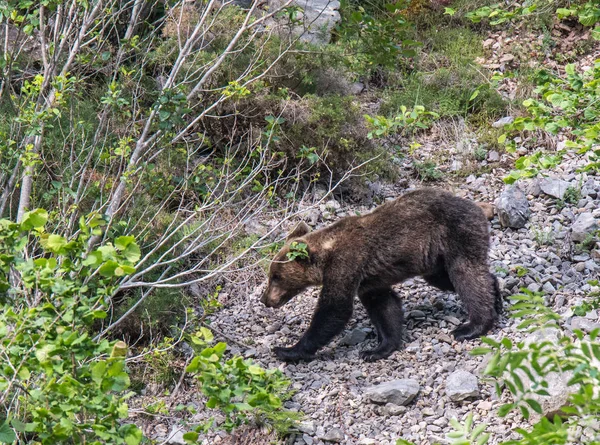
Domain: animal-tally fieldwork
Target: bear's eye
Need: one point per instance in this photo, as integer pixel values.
(275, 277)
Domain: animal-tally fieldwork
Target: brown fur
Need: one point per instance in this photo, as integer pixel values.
(427, 232)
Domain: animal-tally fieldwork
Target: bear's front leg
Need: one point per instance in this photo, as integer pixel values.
(333, 311)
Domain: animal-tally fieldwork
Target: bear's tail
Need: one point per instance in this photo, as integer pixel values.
(498, 301)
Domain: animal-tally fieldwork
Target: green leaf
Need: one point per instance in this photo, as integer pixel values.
(191, 437)
(449, 11)
(108, 268)
(534, 405)
(7, 435)
(131, 434)
(206, 334)
(35, 219)
(18, 425)
(55, 242)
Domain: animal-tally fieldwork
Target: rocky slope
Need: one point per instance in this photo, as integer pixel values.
(433, 379)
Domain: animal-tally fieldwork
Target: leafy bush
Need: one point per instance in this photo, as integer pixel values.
(406, 121)
(376, 34)
(59, 384)
(241, 389)
(510, 363)
(587, 13)
(570, 105)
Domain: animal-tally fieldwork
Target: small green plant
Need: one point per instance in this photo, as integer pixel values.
(241, 389)
(210, 304)
(500, 269)
(572, 195)
(571, 102)
(405, 122)
(297, 250)
(593, 303)
(543, 237)
(521, 271)
(467, 433)
(588, 242)
(535, 360)
(376, 35)
(428, 171)
(480, 153)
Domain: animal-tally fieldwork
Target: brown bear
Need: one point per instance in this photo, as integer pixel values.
(427, 232)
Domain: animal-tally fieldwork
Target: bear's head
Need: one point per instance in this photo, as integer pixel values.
(292, 270)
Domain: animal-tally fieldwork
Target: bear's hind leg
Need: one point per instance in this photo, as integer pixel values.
(478, 291)
(385, 311)
(440, 279)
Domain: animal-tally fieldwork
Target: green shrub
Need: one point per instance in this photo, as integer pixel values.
(428, 171)
(241, 389)
(511, 362)
(59, 384)
(572, 103)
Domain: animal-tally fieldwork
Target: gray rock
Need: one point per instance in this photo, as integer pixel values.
(391, 409)
(558, 383)
(176, 436)
(583, 226)
(558, 390)
(584, 324)
(493, 156)
(333, 435)
(331, 206)
(416, 314)
(548, 287)
(512, 208)
(307, 439)
(357, 88)
(504, 121)
(554, 187)
(398, 392)
(354, 337)
(254, 227)
(461, 385)
(319, 17)
(534, 287)
(307, 427)
(532, 187)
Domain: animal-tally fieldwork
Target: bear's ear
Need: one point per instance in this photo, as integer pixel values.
(300, 230)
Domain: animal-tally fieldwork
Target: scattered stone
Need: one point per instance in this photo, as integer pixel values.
(307, 427)
(493, 156)
(391, 409)
(398, 392)
(504, 121)
(176, 436)
(584, 225)
(548, 287)
(485, 405)
(584, 324)
(318, 18)
(554, 187)
(461, 385)
(334, 435)
(356, 88)
(513, 208)
(416, 314)
(354, 337)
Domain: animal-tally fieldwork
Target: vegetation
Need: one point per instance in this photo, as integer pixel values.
(154, 133)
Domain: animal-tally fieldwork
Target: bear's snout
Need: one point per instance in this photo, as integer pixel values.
(274, 297)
